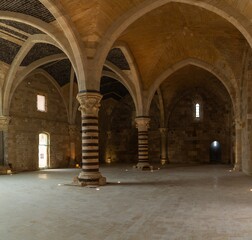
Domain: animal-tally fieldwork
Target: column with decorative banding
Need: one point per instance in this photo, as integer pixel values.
(89, 107)
(142, 124)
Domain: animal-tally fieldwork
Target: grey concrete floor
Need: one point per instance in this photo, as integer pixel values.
(175, 202)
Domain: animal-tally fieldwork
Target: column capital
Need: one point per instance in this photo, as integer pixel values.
(89, 102)
(4, 123)
(142, 123)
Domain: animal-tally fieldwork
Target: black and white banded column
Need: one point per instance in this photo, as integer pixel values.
(89, 107)
(142, 124)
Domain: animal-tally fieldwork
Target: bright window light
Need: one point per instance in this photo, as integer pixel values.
(41, 103)
(197, 110)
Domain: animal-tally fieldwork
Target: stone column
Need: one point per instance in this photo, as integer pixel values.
(108, 148)
(72, 136)
(4, 164)
(163, 156)
(89, 107)
(142, 124)
(238, 145)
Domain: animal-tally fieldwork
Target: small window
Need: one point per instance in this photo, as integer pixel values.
(41, 103)
(197, 110)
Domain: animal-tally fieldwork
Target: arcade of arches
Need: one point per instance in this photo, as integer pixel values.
(140, 82)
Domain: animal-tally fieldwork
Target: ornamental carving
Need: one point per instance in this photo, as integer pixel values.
(142, 123)
(89, 103)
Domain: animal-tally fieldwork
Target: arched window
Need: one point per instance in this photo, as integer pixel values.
(43, 154)
(197, 110)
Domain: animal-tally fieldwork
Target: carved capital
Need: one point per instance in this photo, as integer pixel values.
(89, 103)
(142, 123)
(4, 123)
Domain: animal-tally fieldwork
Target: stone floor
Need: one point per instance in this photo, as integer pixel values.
(176, 202)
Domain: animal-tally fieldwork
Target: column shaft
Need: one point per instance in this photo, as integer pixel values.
(142, 124)
(163, 155)
(238, 146)
(89, 107)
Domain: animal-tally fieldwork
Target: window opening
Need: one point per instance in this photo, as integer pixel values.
(41, 103)
(43, 150)
(197, 110)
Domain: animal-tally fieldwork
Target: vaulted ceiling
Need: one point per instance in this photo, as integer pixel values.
(156, 40)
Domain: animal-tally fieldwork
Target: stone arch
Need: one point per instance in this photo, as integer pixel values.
(122, 78)
(74, 40)
(32, 67)
(199, 63)
(135, 74)
(59, 39)
(217, 7)
(51, 79)
(17, 61)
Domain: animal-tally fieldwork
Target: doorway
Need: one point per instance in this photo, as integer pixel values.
(215, 152)
(43, 154)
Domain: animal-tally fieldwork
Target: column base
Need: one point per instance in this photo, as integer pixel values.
(143, 166)
(85, 179)
(237, 167)
(163, 161)
(5, 170)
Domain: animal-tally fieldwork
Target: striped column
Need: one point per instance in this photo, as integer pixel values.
(89, 107)
(142, 124)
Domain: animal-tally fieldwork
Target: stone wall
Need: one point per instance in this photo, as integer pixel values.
(189, 139)
(118, 134)
(246, 118)
(26, 124)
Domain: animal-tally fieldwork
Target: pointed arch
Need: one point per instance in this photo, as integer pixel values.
(51, 79)
(218, 7)
(229, 82)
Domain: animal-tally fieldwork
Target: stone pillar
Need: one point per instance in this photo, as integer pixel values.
(108, 158)
(89, 107)
(142, 124)
(4, 164)
(238, 146)
(163, 155)
(72, 136)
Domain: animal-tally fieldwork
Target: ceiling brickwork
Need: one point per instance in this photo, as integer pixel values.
(21, 26)
(111, 88)
(59, 70)
(8, 51)
(116, 57)
(13, 32)
(38, 51)
(29, 7)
